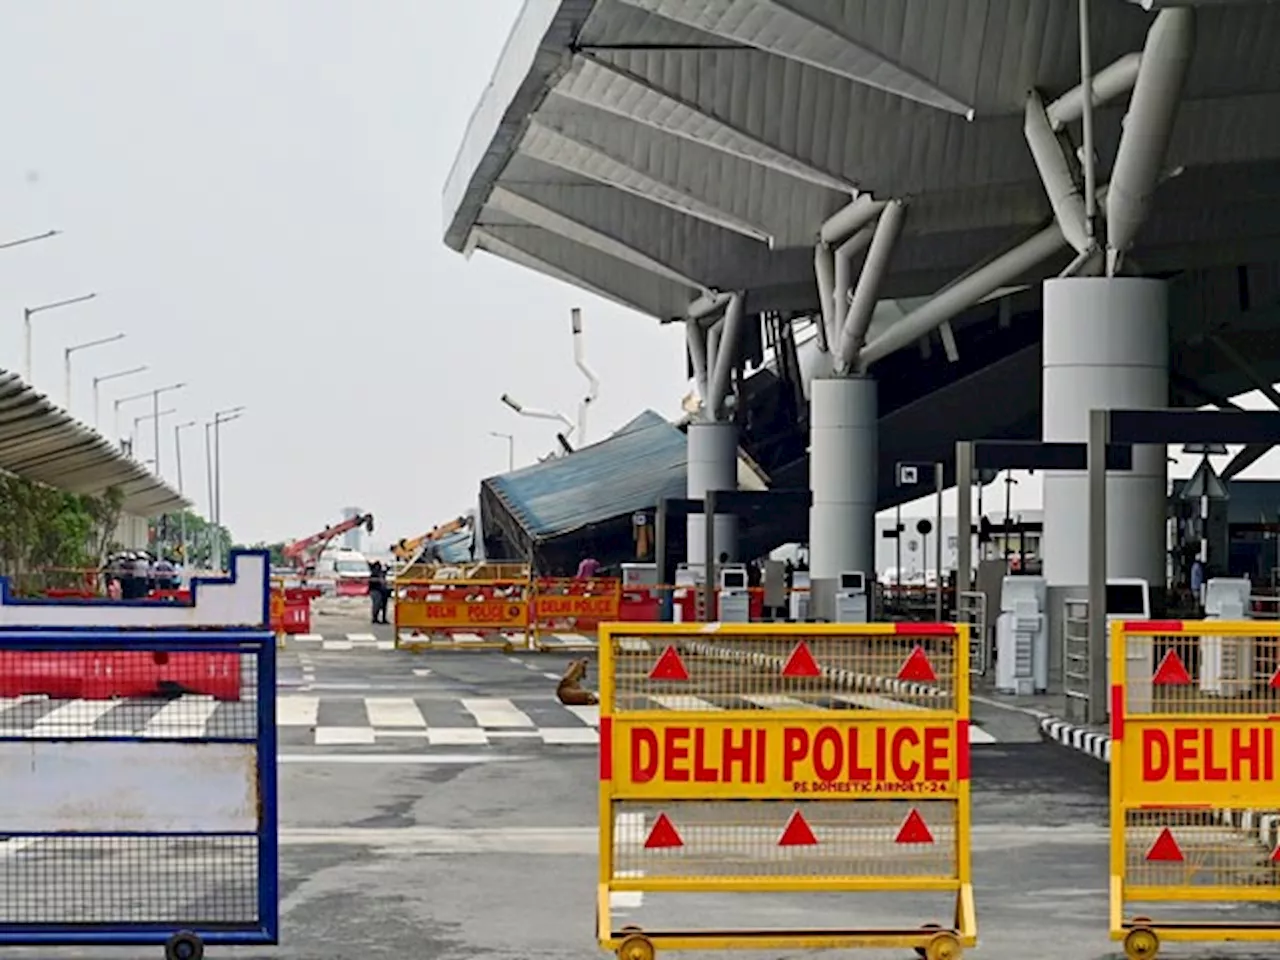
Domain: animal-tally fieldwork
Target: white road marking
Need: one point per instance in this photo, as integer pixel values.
(403, 759)
(74, 719)
(362, 638)
(978, 735)
(338, 645)
(335, 736)
(184, 717)
(590, 715)
(492, 713)
(307, 638)
(569, 735)
(873, 701)
(552, 676)
(394, 712)
(682, 702)
(772, 701)
(294, 711)
(456, 737)
(421, 672)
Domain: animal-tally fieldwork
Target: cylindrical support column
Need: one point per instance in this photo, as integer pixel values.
(844, 477)
(713, 465)
(1106, 346)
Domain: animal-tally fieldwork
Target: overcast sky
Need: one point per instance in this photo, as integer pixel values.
(253, 190)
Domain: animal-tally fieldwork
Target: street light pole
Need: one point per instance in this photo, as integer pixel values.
(22, 240)
(219, 418)
(177, 454)
(155, 410)
(29, 312)
(104, 379)
(208, 469)
(511, 448)
(66, 362)
(121, 402)
(151, 416)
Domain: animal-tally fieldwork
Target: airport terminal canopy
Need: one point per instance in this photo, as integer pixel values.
(655, 151)
(40, 441)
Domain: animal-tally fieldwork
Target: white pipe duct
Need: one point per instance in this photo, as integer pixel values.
(824, 272)
(1108, 83)
(850, 219)
(593, 382)
(1055, 173)
(959, 296)
(696, 338)
(853, 331)
(725, 356)
(714, 332)
(1147, 128)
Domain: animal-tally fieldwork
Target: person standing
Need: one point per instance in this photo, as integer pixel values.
(378, 591)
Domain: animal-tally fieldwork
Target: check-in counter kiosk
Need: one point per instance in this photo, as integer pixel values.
(1022, 637)
(1227, 663)
(734, 598)
(851, 597)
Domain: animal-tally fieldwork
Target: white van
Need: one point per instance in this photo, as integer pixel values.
(347, 570)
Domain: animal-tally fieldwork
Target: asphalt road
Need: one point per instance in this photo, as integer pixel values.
(403, 848)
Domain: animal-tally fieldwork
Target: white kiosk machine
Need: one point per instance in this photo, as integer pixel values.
(734, 598)
(799, 605)
(688, 577)
(851, 597)
(1227, 663)
(1022, 637)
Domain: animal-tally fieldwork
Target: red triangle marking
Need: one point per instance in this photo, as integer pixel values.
(801, 663)
(663, 834)
(1275, 680)
(1275, 854)
(913, 830)
(918, 667)
(797, 832)
(1171, 672)
(669, 666)
(1165, 849)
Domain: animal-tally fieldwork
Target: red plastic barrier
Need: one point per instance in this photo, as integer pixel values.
(64, 593)
(352, 588)
(639, 606)
(105, 674)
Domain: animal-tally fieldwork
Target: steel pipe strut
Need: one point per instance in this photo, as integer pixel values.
(964, 293)
(844, 279)
(1147, 128)
(706, 305)
(853, 332)
(850, 219)
(824, 272)
(1108, 83)
(696, 338)
(1055, 173)
(726, 357)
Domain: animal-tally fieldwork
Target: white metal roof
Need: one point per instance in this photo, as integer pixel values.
(42, 442)
(649, 150)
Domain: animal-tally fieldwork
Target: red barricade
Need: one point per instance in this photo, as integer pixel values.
(106, 674)
(297, 609)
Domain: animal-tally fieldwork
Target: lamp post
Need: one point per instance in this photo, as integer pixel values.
(66, 363)
(120, 403)
(103, 379)
(511, 447)
(156, 416)
(22, 240)
(177, 455)
(29, 312)
(155, 412)
(219, 418)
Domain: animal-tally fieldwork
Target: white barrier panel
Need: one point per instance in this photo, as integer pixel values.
(71, 786)
(238, 600)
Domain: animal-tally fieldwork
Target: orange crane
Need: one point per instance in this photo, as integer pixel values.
(407, 551)
(304, 553)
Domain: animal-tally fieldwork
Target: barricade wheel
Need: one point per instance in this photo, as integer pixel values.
(1141, 944)
(943, 946)
(920, 951)
(184, 946)
(636, 947)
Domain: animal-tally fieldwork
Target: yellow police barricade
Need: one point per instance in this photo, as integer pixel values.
(1193, 748)
(461, 614)
(783, 759)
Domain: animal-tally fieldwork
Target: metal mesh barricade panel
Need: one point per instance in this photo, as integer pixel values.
(782, 839)
(198, 880)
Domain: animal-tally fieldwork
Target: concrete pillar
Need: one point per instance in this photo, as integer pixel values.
(844, 478)
(1106, 346)
(713, 465)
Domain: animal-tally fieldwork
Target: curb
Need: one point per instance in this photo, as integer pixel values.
(1265, 825)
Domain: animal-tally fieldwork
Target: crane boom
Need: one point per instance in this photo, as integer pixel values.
(407, 551)
(304, 552)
